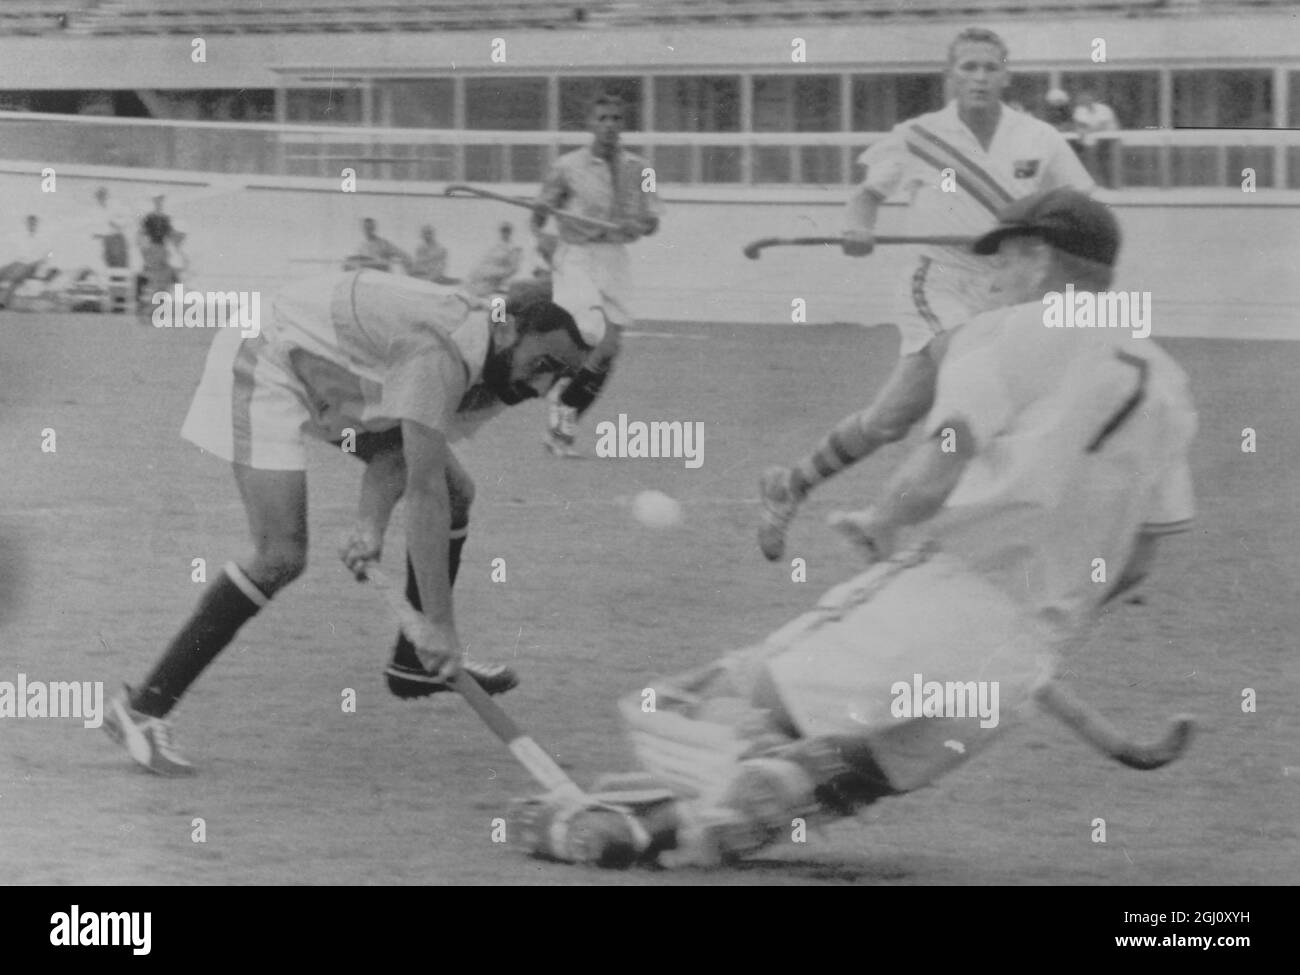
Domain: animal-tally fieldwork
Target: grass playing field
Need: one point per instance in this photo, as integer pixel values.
(101, 534)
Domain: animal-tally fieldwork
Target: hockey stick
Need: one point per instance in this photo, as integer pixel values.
(754, 248)
(518, 201)
(1089, 725)
(529, 754)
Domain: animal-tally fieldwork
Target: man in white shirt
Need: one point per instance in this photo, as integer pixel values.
(393, 370)
(959, 167)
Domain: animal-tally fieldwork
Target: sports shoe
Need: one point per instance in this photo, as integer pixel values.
(146, 738)
(561, 445)
(779, 506)
(562, 424)
(408, 679)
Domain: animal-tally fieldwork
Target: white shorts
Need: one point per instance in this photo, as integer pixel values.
(593, 283)
(249, 408)
(842, 671)
(935, 299)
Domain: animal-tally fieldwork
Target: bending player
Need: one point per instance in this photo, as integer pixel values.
(395, 370)
(1046, 449)
(590, 267)
(960, 166)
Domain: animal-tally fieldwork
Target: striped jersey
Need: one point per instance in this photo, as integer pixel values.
(1024, 157)
(1081, 439)
(372, 349)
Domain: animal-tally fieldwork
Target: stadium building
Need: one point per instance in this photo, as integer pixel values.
(728, 92)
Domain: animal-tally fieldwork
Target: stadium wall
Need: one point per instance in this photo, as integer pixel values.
(1213, 269)
(1245, 37)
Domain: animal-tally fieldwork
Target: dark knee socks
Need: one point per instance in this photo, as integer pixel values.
(227, 604)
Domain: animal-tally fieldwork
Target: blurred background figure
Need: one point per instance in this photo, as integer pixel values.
(161, 257)
(29, 256)
(430, 262)
(375, 252)
(501, 262)
(1058, 113)
(112, 223)
(1094, 120)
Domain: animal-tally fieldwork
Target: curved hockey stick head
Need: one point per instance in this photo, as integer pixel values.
(1153, 755)
(755, 247)
(1085, 721)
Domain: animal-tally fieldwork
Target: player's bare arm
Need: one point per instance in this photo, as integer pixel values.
(382, 485)
(553, 194)
(860, 215)
(428, 526)
(915, 493)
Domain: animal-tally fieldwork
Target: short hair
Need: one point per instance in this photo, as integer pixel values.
(542, 316)
(1084, 274)
(976, 35)
(608, 99)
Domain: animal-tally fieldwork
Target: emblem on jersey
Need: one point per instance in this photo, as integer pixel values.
(1026, 168)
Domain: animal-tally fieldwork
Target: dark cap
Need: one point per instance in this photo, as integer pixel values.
(1068, 220)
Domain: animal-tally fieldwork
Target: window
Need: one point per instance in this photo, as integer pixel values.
(324, 106)
(427, 103)
(1134, 96)
(576, 95)
(810, 103)
(1293, 101)
(697, 104)
(1223, 99)
(881, 101)
(517, 104)
(1027, 90)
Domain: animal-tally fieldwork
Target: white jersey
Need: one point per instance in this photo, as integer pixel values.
(1081, 439)
(1024, 157)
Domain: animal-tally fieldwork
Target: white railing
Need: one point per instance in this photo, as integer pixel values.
(1147, 158)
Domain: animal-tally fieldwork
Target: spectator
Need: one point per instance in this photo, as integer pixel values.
(497, 266)
(113, 222)
(1094, 121)
(159, 242)
(1091, 116)
(1058, 114)
(28, 250)
(375, 252)
(430, 263)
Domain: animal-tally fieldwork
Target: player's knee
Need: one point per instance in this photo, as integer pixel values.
(278, 564)
(890, 420)
(884, 426)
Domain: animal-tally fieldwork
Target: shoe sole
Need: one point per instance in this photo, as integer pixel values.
(562, 451)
